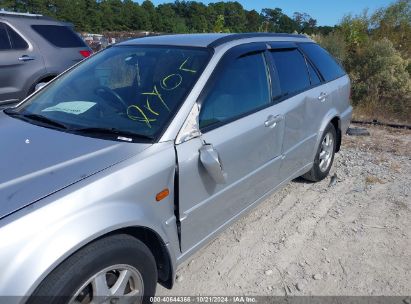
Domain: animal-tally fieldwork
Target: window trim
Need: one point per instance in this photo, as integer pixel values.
(231, 55)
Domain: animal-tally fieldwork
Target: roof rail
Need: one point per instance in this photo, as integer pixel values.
(4, 12)
(234, 37)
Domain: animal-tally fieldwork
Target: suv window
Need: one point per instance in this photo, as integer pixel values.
(328, 66)
(60, 36)
(4, 38)
(291, 71)
(242, 87)
(18, 43)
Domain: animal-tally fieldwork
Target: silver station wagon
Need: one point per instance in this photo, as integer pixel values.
(125, 165)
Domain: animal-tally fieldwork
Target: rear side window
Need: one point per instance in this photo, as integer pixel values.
(315, 79)
(9, 39)
(328, 66)
(291, 71)
(241, 87)
(60, 36)
(4, 38)
(18, 43)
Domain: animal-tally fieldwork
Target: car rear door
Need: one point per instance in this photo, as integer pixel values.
(19, 63)
(334, 91)
(242, 132)
(298, 100)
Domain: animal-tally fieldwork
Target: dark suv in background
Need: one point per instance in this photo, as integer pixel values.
(33, 50)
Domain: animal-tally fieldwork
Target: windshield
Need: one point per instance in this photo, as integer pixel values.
(122, 90)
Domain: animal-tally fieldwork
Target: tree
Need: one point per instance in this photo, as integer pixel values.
(150, 10)
(235, 17)
(276, 21)
(355, 30)
(219, 25)
(304, 23)
(254, 21)
(394, 22)
(180, 16)
(71, 11)
(167, 21)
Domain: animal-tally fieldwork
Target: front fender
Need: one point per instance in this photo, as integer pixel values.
(37, 239)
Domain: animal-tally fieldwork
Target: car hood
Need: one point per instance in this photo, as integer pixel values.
(36, 161)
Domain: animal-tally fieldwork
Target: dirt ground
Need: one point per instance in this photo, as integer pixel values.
(350, 235)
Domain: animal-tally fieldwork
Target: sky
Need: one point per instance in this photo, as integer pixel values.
(326, 12)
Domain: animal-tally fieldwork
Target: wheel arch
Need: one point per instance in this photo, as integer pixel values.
(148, 237)
(332, 117)
(336, 122)
(43, 78)
(157, 247)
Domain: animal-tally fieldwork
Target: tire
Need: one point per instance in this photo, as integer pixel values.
(107, 260)
(319, 171)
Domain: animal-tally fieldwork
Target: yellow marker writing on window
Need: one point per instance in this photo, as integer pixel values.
(183, 68)
(157, 93)
(165, 83)
(148, 107)
(144, 117)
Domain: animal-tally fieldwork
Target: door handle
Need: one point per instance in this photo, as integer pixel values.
(272, 121)
(26, 58)
(322, 96)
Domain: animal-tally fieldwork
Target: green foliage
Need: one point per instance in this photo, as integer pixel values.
(375, 50)
(355, 30)
(394, 22)
(334, 43)
(304, 22)
(219, 25)
(379, 73)
(178, 17)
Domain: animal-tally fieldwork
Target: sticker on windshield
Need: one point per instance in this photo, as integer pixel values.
(71, 107)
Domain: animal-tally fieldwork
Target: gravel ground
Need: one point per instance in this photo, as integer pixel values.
(349, 235)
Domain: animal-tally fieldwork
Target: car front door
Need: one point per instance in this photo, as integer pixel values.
(241, 133)
(20, 64)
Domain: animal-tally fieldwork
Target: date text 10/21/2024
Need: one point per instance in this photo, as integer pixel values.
(204, 299)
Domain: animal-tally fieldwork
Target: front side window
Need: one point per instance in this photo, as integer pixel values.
(291, 71)
(241, 88)
(122, 90)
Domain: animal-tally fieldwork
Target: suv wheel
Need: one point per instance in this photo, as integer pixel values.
(324, 157)
(105, 271)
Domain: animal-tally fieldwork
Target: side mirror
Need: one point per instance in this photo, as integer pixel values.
(211, 162)
(39, 86)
